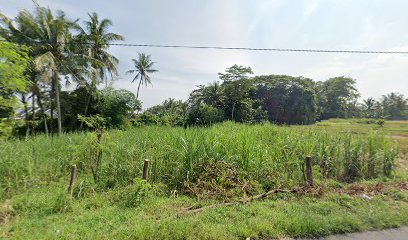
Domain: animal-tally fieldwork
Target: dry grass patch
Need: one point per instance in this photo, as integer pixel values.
(6, 211)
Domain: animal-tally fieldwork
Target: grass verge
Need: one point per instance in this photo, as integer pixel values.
(46, 213)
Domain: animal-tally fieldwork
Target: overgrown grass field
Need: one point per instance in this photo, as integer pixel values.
(398, 130)
(196, 167)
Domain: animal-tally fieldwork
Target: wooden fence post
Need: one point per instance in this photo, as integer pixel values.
(309, 170)
(146, 169)
(73, 178)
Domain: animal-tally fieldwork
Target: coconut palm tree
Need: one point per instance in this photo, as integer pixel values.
(49, 36)
(368, 104)
(395, 106)
(96, 35)
(214, 94)
(143, 67)
(99, 62)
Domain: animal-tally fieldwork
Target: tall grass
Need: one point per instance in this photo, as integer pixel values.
(270, 154)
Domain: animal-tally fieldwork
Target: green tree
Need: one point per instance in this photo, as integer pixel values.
(205, 114)
(13, 63)
(369, 108)
(171, 112)
(14, 34)
(99, 62)
(52, 57)
(211, 94)
(287, 99)
(143, 66)
(369, 104)
(395, 106)
(116, 106)
(235, 73)
(236, 86)
(337, 97)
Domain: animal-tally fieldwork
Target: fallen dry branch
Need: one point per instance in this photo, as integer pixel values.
(196, 209)
(200, 209)
(353, 190)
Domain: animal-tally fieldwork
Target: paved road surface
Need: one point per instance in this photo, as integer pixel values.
(390, 234)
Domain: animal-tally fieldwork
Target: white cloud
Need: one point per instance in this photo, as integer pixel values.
(311, 8)
(329, 24)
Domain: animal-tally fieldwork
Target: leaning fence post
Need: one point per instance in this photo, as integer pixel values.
(146, 169)
(309, 172)
(73, 178)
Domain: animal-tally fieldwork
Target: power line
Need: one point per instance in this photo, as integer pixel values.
(225, 48)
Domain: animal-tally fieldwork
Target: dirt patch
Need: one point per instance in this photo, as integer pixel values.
(401, 186)
(5, 213)
(356, 189)
(403, 164)
(399, 136)
(359, 189)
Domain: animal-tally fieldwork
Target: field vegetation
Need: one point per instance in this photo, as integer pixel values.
(195, 173)
(397, 130)
(269, 154)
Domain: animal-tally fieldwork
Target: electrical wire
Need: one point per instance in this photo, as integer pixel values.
(225, 48)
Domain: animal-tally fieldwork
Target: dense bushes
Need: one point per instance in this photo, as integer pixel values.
(115, 105)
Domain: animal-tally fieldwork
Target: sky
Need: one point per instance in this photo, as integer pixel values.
(304, 24)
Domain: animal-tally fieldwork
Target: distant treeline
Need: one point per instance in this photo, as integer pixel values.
(281, 99)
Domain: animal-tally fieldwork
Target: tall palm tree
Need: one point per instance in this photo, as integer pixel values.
(368, 104)
(99, 62)
(96, 35)
(143, 67)
(369, 107)
(170, 104)
(214, 94)
(51, 56)
(211, 94)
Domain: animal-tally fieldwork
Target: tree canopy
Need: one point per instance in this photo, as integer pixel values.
(13, 64)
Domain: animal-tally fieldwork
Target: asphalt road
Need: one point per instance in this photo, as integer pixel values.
(389, 234)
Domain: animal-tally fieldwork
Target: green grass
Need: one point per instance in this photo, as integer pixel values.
(398, 130)
(34, 176)
(39, 216)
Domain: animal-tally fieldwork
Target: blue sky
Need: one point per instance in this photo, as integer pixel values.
(318, 24)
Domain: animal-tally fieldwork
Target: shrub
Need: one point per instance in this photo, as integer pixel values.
(133, 195)
(220, 180)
